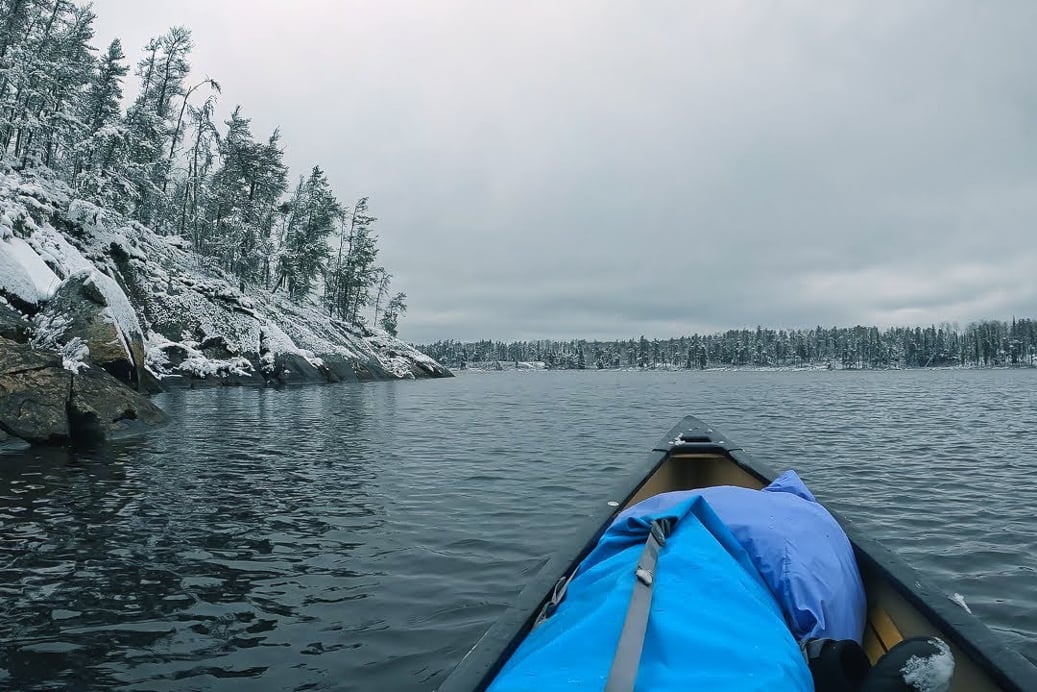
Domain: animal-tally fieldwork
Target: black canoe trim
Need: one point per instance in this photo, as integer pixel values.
(1007, 667)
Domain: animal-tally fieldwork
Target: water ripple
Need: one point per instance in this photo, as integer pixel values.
(363, 537)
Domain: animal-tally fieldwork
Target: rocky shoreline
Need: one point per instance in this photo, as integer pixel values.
(43, 402)
(96, 311)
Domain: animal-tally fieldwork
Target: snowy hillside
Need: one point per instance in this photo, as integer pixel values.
(101, 289)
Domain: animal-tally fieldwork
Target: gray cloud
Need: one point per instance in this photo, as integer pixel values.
(611, 169)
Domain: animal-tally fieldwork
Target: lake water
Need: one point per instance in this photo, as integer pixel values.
(362, 537)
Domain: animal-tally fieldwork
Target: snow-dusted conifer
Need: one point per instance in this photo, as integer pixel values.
(44, 68)
(244, 200)
(151, 121)
(312, 220)
(101, 101)
(95, 172)
(199, 159)
(384, 281)
(354, 272)
(164, 163)
(393, 311)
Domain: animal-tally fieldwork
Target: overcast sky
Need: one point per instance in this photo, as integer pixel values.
(608, 169)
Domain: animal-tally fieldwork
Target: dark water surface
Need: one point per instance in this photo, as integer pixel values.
(364, 536)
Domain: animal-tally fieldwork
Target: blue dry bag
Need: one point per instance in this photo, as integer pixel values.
(712, 623)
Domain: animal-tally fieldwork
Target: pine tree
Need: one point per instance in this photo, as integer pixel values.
(44, 66)
(243, 201)
(354, 273)
(151, 119)
(15, 18)
(266, 190)
(312, 218)
(101, 102)
(68, 71)
(192, 190)
(384, 281)
(178, 129)
(27, 28)
(100, 114)
(393, 311)
(228, 192)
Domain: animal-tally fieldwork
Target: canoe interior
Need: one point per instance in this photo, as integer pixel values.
(890, 617)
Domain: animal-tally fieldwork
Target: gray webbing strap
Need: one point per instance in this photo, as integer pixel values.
(556, 598)
(625, 663)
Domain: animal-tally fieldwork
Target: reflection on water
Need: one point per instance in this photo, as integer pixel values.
(364, 536)
(187, 553)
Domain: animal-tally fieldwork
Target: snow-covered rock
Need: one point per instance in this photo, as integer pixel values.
(90, 314)
(401, 359)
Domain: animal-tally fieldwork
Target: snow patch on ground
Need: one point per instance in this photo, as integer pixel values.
(201, 366)
(88, 215)
(275, 341)
(394, 355)
(397, 356)
(74, 355)
(155, 357)
(24, 274)
(195, 363)
(311, 329)
(63, 259)
(397, 366)
(47, 331)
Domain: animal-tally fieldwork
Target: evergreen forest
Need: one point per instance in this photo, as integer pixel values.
(982, 344)
(161, 157)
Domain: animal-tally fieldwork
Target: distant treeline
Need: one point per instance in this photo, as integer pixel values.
(989, 343)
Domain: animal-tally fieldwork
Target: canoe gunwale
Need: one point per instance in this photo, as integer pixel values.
(1008, 668)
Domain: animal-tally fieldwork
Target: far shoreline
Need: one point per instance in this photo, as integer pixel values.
(540, 367)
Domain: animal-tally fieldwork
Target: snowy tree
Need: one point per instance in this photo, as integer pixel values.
(193, 188)
(45, 62)
(98, 153)
(101, 104)
(67, 71)
(164, 162)
(354, 273)
(384, 281)
(393, 311)
(150, 121)
(312, 217)
(244, 197)
(178, 129)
